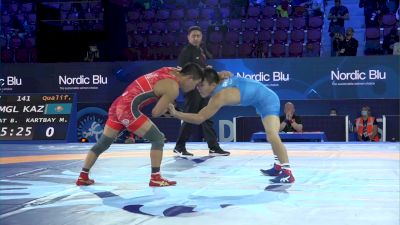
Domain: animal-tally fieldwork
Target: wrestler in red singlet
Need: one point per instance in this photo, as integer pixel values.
(125, 110)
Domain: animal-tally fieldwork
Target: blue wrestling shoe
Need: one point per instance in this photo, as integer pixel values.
(274, 171)
(284, 177)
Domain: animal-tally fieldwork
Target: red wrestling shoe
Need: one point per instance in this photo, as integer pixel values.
(157, 181)
(83, 179)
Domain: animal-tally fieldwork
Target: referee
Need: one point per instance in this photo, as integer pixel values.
(194, 53)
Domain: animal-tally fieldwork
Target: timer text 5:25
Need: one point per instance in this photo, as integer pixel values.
(18, 131)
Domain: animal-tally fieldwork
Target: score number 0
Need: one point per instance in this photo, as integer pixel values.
(49, 131)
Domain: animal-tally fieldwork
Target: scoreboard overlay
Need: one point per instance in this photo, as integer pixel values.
(28, 117)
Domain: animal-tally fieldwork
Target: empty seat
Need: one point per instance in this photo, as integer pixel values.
(297, 36)
(372, 33)
(150, 15)
(27, 7)
(158, 27)
(214, 49)
(282, 23)
(388, 20)
(268, 12)
(173, 26)
(7, 55)
(278, 50)
(225, 13)
(251, 24)
(177, 14)
(228, 51)
(21, 55)
(253, 11)
(231, 37)
(207, 14)
(315, 22)
(211, 3)
(215, 37)
(30, 42)
(280, 36)
(162, 14)
(192, 14)
(299, 23)
(265, 36)
(235, 25)
(314, 35)
(249, 36)
(154, 39)
(134, 16)
(186, 24)
(295, 49)
(245, 50)
(266, 24)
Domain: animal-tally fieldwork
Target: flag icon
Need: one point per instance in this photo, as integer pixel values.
(58, 108)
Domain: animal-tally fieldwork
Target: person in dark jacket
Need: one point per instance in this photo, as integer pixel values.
(349, 44)
(195, 53)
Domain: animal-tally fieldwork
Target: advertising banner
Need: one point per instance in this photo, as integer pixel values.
(372, 77)
(96, 85)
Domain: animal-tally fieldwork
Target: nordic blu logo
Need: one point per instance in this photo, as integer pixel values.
(357, 75)
(265, 77)
(10, 81)
(82, 80)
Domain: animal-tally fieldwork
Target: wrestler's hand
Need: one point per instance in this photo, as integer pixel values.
(171, 109)
(167, 114)
(224, 74)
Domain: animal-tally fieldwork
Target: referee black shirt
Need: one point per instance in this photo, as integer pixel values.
(194, 54)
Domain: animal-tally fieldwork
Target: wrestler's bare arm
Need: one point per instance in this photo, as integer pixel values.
(169, 91)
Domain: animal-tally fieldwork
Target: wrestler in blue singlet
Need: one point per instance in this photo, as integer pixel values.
(253, 93)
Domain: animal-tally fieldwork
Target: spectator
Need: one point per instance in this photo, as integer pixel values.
(316, 8)
(337, 15)
(92, 54)
(392, 5)
(350, 44)
(337, 44)
(239, 8)
(283, 9)
(369, 7)
(389, 41)
(310, 51)
(290, 122)
(257, 2)
(396, 48)
(333, 112)
(366, 126)
(16, 26)
(373, 11)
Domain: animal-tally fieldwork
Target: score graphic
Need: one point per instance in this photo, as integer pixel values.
(36, 116)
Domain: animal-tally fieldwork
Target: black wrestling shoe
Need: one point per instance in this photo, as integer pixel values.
(218, 151)
(182, 152)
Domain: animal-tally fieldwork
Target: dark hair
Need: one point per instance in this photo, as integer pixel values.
(367, 108)
(211, 76)
(193, 69)
(192, 28)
